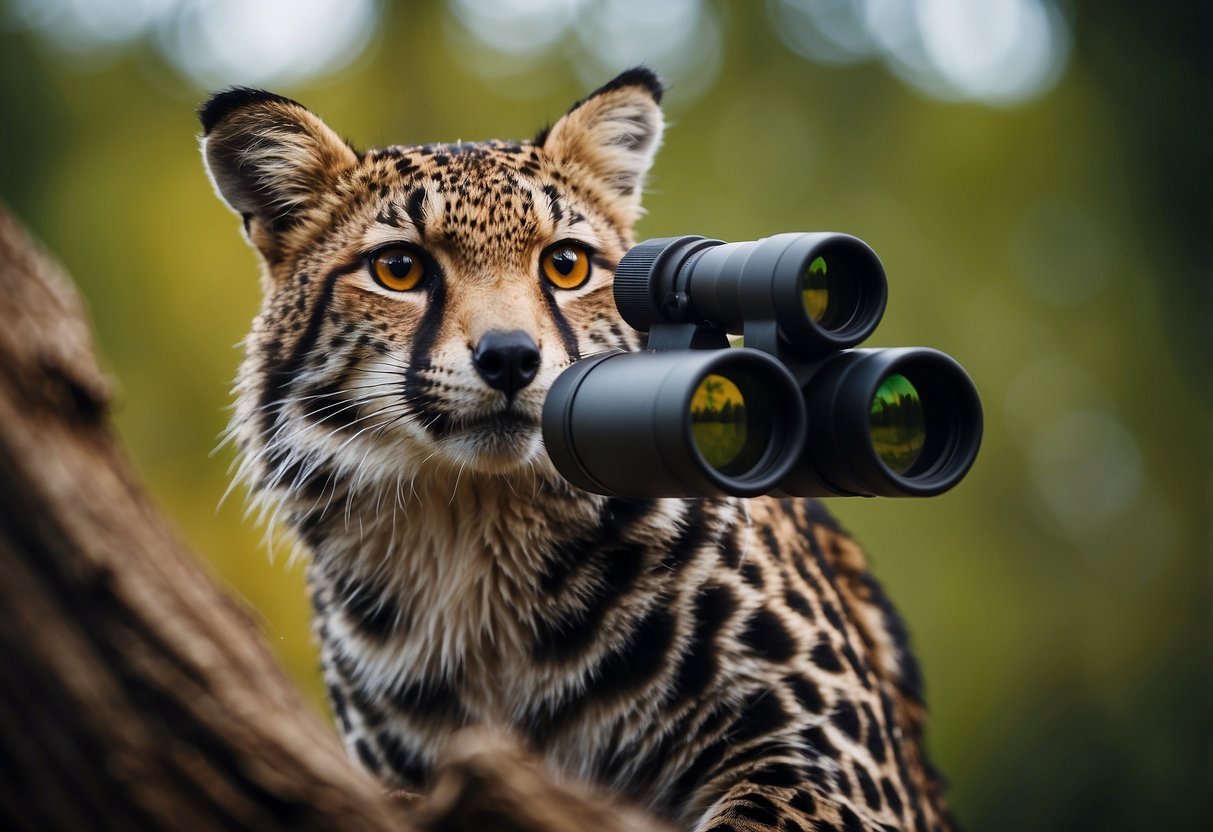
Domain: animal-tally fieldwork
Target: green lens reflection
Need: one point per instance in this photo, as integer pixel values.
(815, 289)
(718, 421)
(897, 423)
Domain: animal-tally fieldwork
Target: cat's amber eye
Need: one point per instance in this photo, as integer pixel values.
(398, 269)
(565, 266)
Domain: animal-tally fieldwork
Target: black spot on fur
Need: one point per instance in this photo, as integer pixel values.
(337, 700)
(850, 820)
(713, 606)
(554, 202)
(366, 756)
(891, 796)
(639, 660)
(876, 746)
(619, 673)
(858, 665)
(751, 573)
(867, 787)
(616, 520)
(757, 808)
(563, 636)
(809, 578)
(568, 338)
(847, 718)
(886, 709)
(806, 693)
(367, 710)
(815, 738)
(831, 614)
(824, 657)
(415, 208)
(690, 538)
(796, 600)
(729, 552)
(780, 775)
(804, 803)
(284, 373)
(429, 699)
(843, 781)
(761, 715)
(765, 634)
(768, 537)
(373, 613)
(401, 759)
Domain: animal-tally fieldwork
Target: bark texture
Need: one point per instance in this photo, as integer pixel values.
(134, 694)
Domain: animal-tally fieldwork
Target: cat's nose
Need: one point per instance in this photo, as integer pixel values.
(507, 361)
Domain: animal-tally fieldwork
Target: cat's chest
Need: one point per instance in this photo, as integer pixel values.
(449, 596)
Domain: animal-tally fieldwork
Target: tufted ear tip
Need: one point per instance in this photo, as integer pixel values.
(613, 134)
(637, 76)
(271, 160)
(223, 103)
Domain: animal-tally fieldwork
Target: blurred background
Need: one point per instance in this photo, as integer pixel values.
(1035, 175)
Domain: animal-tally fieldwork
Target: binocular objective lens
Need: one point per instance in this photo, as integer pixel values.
(897, 423)
(719, 423)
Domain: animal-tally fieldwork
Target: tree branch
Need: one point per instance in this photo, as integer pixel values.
(134, 694)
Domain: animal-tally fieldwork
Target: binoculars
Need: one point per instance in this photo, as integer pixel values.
(796, 411)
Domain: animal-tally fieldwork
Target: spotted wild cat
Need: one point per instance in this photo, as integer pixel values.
(729, 664)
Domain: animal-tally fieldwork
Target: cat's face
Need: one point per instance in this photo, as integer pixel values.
(420, 301)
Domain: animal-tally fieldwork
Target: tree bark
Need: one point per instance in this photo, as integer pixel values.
(134, 694)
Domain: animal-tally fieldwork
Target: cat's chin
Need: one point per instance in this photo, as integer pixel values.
(492, 446)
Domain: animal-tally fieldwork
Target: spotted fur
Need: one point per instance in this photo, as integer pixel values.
(726, 664)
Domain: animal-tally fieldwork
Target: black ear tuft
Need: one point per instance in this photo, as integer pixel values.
(637, 76)
(222, 103)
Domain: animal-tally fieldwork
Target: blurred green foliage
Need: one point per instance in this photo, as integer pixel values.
(1059, 598)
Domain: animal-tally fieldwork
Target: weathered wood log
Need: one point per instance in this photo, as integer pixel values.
(134, 694)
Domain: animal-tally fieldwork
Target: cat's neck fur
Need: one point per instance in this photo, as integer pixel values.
(454, 561)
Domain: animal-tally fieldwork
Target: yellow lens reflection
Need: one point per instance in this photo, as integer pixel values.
(815, 289)
(718, 420)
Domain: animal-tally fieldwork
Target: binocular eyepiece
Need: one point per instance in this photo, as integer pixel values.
(821, 292)
(796, 411)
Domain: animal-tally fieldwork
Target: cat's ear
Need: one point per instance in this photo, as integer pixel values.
(271, 160)
(613, 133)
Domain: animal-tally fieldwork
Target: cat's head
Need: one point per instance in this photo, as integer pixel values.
(419, 301)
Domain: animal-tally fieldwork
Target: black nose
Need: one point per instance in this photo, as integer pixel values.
(507, 361)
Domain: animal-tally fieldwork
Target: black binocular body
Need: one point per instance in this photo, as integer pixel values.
(796, 411)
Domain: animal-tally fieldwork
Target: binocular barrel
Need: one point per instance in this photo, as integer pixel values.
(797, 411)
(902, 422)
(824, 292)
(678, 423)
